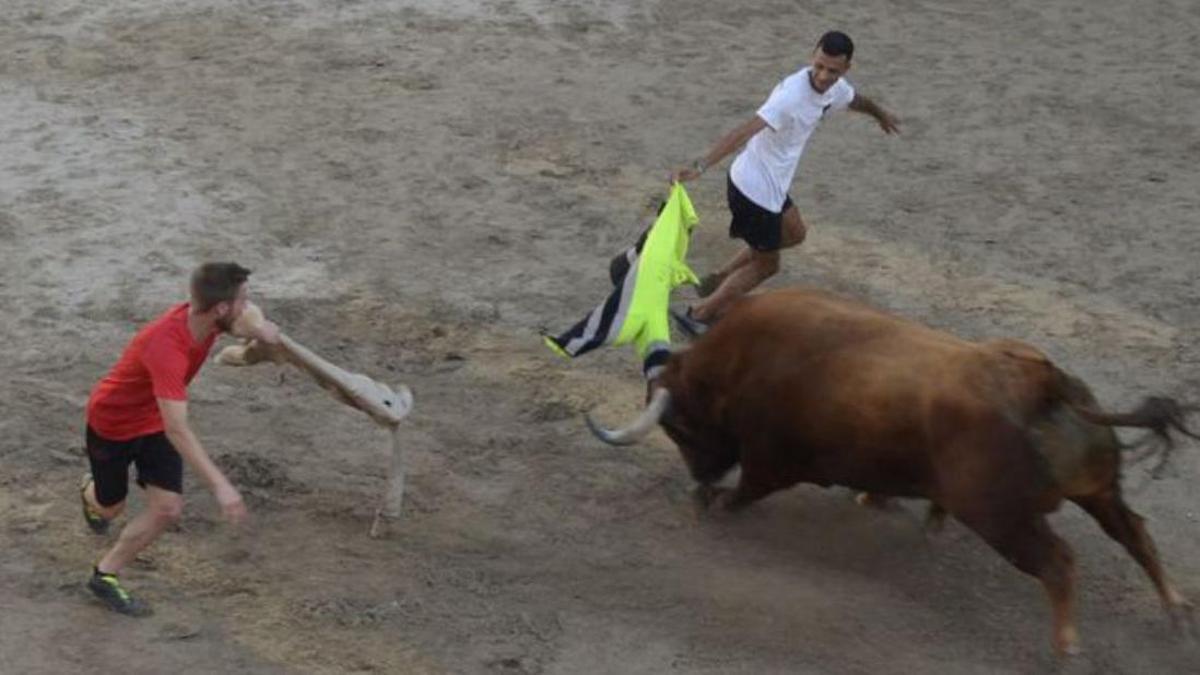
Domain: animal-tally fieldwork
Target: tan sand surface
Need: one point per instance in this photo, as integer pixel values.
(421, 186)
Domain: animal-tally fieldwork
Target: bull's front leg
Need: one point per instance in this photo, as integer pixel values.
(746, 493)
(731, 500)
(704, 494)
(935, 519)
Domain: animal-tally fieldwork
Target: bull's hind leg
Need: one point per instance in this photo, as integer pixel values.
(1127, 528)
(755, 481)
(1032, 547)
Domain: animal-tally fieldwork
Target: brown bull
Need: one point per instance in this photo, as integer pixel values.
(802, 386)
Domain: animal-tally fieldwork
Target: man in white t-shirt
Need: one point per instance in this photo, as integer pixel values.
(763, 213)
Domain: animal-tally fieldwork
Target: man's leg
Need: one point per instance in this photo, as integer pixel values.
(795, 230)
(160, 472)
(750, 268)
(761, 266)
(710, 282)
(104, 487)
(163, 508)
(106, 512)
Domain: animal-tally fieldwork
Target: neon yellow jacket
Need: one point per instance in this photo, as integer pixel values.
(636, 310)
(661, 268)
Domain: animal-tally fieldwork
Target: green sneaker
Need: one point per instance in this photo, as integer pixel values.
(108, 589)
(95, 521)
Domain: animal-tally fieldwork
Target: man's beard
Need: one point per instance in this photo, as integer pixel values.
(225, 324)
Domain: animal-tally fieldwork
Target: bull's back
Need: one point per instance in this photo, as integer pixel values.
(812, 340)
(855, 395)
(843, 391)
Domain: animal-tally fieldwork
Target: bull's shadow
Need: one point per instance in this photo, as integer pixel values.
(881, 570)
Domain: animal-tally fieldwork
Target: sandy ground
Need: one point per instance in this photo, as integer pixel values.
(420, 187)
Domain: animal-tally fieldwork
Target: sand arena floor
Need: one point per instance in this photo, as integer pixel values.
(421, 187)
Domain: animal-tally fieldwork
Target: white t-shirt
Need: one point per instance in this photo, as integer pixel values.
(764, 169)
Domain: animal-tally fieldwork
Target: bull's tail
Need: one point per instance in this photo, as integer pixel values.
(1160, 414)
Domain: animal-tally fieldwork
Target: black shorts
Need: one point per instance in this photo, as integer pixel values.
(158, 464)
(762, 230)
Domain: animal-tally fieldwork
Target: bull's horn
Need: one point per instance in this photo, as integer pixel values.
(640, 427)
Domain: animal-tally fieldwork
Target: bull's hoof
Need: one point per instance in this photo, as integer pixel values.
(878, 502)
(873, 501)
(1183, 618)
(1069, 650)
(1066, 642)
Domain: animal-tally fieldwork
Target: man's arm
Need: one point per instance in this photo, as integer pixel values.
(727, 144)
(179, 432)
(251, 324)
(886, 121)
(266, 332)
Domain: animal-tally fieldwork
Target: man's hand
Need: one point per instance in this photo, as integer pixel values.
(232, 506)
(887, 122)
(885, 119)
(682, 176)
(689, 173)
(266, 332)
(731, 141)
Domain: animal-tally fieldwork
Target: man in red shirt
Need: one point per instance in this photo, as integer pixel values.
(137, 415)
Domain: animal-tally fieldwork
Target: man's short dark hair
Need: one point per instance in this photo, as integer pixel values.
(216, 282)
(836, 43)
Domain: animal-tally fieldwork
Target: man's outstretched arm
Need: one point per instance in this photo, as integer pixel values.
(886, 120)
(731, 141)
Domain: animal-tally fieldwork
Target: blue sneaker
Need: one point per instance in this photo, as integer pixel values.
(691, 326)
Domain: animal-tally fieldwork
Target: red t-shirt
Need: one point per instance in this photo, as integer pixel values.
(159, 362)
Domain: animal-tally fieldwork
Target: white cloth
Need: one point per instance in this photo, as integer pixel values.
(764, 169)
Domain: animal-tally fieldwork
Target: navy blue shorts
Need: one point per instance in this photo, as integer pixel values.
(762, 230)
(157, 461)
